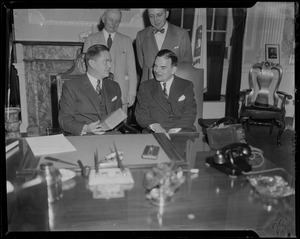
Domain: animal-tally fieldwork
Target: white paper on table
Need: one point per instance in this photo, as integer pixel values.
(51, 144)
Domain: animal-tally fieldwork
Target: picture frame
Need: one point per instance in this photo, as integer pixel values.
(273, 53)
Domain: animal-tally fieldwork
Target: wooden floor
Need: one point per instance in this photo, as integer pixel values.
(284, 155)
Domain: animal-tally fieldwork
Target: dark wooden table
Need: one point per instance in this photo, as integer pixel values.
(209, 200)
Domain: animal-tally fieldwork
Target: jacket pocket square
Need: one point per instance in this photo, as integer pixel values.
(113, 99)
(181, 98)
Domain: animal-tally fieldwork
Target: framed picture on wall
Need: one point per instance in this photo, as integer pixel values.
(273, 53)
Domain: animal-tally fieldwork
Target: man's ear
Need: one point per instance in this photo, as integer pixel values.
(174, 69)
(91, 63)
(167, 14)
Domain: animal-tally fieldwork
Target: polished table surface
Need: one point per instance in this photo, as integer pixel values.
(209, 200)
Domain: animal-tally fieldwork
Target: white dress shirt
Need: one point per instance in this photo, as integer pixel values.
(160, 37)
(94, 81)
(112, 35)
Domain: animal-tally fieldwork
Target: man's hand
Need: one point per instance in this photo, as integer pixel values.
(157, 128)
(130, 100)
(95, 128)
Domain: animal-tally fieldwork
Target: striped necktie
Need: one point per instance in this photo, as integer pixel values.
(109, 41)
(165, 89)
(98, 88)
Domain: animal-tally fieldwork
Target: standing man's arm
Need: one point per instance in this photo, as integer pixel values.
(131, 70)
(186, 49)
(139, 51)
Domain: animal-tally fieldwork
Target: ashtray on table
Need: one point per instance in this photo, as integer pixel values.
(271, 186)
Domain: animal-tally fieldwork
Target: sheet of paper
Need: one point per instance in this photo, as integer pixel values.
(115, 118)
(51, 144)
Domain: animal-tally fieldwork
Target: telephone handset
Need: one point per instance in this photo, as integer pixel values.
(232, 159)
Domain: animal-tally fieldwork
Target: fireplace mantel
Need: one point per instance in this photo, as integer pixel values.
(41, 61)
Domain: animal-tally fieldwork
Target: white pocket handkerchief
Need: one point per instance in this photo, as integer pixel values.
(113, 99)
(181, 98)
(176, 47)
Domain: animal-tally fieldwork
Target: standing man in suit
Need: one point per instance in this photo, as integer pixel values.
(90, 97)
(166, 103)
(122, 54)
(161, 35)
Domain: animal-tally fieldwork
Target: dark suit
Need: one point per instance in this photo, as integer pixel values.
(123, 61)
(80, 103)
(177, 111)
(177, 40)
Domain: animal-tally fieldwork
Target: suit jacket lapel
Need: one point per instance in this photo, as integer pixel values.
(169, 39)
(108, 92)
(156, 94)
(152, 45)
(91, 93)
(175, 90)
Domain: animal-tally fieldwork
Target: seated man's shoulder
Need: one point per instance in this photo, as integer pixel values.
(148, 83)
(74, 80)
(184, 81)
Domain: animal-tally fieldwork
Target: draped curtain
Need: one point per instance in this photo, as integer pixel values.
(235, 63)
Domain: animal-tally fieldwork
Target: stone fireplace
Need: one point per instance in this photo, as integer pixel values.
(41, 61)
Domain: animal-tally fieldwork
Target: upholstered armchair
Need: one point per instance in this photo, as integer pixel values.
(263, 103)
(188, 72)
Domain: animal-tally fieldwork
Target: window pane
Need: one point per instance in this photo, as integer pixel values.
(208, 36)
(220, 19)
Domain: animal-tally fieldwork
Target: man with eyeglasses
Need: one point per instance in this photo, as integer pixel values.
(161, 35)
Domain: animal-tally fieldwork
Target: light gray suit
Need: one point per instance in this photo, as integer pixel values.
(123, 61)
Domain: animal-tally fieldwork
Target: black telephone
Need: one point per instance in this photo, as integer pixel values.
(232, 159)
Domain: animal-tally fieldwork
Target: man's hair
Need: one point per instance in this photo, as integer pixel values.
(94, 51)
(105, 12)
(167, 54)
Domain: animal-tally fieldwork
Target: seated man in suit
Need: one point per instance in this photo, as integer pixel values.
(166, 103)
(91, 97)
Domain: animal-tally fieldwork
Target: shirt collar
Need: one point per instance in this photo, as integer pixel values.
(106, 34)
(164, 27)
(168, 83)
(94, 80)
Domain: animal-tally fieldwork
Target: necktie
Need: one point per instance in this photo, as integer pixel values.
(159, 30)
(109, 41)
(165, 89)
(98, 88)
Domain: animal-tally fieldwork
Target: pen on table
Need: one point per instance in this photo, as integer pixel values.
(59, 161)
(96, 161)
(120, 165)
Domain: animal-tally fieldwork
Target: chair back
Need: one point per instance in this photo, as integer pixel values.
(188, 72)
(264, 81)
(57, 82)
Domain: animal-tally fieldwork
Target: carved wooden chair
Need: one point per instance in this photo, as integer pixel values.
(263, 103)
